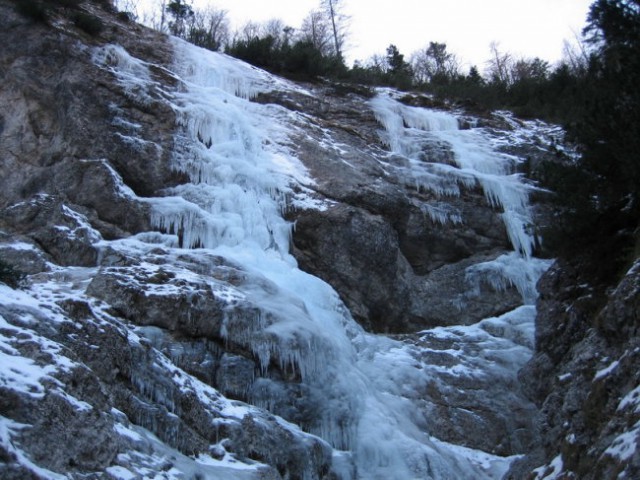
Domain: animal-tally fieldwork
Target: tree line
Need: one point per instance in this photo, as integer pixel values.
(312, 50)
(598, 195)
(530, 87)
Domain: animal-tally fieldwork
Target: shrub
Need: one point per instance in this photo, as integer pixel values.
(88, 23)
(32, 9)
(125, 16)
(9, 275)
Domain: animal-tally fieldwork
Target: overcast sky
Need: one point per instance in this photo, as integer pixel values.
(526, 28)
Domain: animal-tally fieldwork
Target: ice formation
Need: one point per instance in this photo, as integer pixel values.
(476, 160)
(240, 183)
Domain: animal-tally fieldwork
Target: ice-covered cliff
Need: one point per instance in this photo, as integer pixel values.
(229, 275)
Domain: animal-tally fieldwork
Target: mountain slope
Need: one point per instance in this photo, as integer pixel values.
(208, 249)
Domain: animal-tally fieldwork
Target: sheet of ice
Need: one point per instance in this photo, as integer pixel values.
(133, 74)
(509, 270)
(240, 180)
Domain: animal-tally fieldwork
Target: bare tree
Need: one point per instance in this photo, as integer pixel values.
(128, 6)
(333, 11)
(499, 65)
(378, 62)
(209, 28)
(525, 69)
(156, 17)
(316, 30)
(249, 31)
(575, 54)
(275, 28)
(434, 63)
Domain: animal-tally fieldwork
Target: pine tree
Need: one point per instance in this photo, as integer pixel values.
(599, 195)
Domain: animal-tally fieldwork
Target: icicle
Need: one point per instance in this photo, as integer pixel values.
(441, 213)
(509, 270)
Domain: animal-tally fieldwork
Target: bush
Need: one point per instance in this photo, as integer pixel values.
(302, 60)
(32, 9)
(88, 23)
(125, 17)
(257, 51)
(9, 275)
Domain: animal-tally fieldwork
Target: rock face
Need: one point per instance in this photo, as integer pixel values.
(134, 350)
(378, 246)
(584, 378)
(88, 392)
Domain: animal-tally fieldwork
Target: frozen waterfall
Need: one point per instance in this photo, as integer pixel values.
(240, 184)
(477, 163)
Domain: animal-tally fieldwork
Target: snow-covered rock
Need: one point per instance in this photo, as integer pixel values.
(208, 249)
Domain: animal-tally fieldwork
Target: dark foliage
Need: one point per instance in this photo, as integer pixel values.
(598, 198)
(64, 3)
(260, 52)
(40, 10)
(125, 17)
(301, 60)
(202, 38)
(399, 74)
(9, 275)
(88, 23)
(180, 11)
(33, 9)
(391, 71)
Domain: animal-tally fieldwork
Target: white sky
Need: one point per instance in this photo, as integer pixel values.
(526, 28)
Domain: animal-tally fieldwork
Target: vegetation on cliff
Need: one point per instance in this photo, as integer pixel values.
(598, 195)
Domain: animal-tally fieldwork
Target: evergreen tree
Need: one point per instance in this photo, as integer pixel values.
(181, 11)
(600, 194)
(400, 72)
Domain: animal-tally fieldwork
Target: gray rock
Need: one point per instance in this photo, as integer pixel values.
(357, 253)
(63, 233)
(377, 245)
(583, 375)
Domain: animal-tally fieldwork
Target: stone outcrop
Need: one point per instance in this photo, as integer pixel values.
(376, 245)
(68, 162)
(108, 381)
(584, 377)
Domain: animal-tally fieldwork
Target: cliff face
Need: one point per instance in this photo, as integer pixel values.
(208, 249)
(584, 377)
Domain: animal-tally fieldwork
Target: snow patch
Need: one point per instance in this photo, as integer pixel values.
(606, 371)
(625, 445)
(551, 471)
